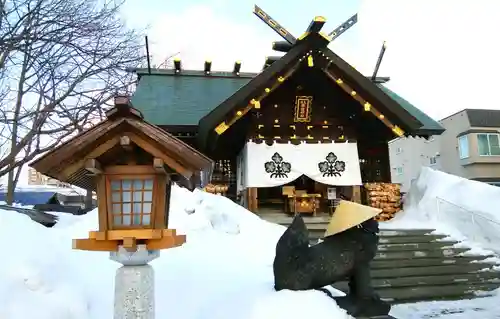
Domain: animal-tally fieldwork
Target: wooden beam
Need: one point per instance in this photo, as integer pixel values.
(281, 46)
(93, 166)
(121, 234)
(343, 27)
(274, 25)
(157, 153)
(95, 245)
(160, 201)
(130, 244)
(356, 194)
(316, 24)
(98, 151)
(125, 143)
(165, 242)
(102, 204)
(158, 165)
(271, 59)
(366, 105)
(255, 103)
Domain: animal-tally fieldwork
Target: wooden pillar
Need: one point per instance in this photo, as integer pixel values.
(356, 194)
(252, 201)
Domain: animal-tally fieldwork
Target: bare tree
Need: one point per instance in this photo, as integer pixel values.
(61, 61)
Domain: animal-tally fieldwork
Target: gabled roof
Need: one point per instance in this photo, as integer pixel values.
(412, 120)
(483, 118)
(249, 91)
(67, 161)
(429, 127)
(168, 99)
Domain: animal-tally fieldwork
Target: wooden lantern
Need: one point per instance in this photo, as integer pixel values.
(129, 163)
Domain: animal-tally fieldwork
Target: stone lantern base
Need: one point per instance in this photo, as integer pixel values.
(134, 283)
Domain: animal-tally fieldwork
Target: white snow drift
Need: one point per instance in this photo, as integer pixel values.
(223, 271)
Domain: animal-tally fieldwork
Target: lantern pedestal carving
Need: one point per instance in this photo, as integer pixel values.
(134, 283)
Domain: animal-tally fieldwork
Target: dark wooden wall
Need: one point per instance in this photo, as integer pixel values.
(335, 117)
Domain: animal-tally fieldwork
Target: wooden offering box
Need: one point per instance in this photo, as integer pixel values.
(129, 162)
(304, 203)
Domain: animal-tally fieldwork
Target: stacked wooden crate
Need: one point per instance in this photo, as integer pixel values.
(386, 196)
(219, 189)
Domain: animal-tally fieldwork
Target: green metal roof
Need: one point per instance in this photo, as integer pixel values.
(429, 124)
(182, 100)
(185, 99)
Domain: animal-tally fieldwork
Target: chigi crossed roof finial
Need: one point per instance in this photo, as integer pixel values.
(314, 27)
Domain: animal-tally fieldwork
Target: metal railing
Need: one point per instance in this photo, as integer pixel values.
(475, 226)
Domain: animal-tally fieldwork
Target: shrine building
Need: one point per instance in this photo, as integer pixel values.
(306, 128)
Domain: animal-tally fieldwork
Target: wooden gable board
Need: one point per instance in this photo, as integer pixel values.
(351, 76)
(66, 161)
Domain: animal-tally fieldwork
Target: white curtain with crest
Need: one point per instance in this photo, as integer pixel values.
(278, 164)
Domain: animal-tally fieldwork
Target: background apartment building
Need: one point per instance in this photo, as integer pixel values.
(37, 178)
(468, 148)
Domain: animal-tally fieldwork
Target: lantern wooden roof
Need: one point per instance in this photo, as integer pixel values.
(124, 129)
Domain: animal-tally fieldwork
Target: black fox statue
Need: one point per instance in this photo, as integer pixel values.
(345, 255)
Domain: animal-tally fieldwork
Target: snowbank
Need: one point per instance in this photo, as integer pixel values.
(466, 210)
(223, 271)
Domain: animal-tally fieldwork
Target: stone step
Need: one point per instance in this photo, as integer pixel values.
(417, 281)
(410, 239)
(405, 232)
(428, 271)
(321, 227)
(385, 232)
(438, 292)
(314, 236)
(393, 255)
(309, 221)
(423, 262)
(438, 253)
(454, 291)
(417, 246)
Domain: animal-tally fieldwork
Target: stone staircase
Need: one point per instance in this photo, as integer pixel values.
(415, 265)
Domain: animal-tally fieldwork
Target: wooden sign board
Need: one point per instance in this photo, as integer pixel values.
(303, 108)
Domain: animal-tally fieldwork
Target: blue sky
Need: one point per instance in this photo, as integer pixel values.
(425, 58)
(233, 24)
(294, 15)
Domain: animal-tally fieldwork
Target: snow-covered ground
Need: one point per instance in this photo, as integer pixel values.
(223, 271)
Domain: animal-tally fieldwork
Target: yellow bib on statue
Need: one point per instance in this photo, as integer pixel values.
(349, 214)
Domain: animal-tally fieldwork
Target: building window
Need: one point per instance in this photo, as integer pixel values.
(131, 202)
(463, 147)
(433, 160)
(488, 144)
(399, 150)
(399, 170)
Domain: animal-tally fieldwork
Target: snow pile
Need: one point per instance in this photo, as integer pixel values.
(465, 209)
(223, 271)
